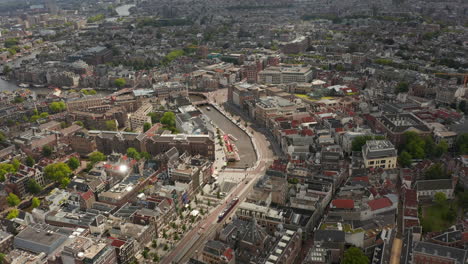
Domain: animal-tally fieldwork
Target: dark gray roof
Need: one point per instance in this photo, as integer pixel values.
(214, 247)
(430, 185)
(399, 123)
(329, 236)
(195, 261)
(39, 239)
(449, 237)
(458, 255)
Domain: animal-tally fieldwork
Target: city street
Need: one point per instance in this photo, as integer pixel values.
(196, 238)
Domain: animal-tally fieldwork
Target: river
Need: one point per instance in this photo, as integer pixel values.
(11, 85)
(124, 10)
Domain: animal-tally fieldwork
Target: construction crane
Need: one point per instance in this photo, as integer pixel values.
(465, 76)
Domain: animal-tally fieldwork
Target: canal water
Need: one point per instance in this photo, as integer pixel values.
(244, 145)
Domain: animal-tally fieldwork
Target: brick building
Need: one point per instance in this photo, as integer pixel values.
(395, 125)
(424, 252)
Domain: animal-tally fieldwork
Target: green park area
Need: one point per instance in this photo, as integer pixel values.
(439, 216)
(305, 96)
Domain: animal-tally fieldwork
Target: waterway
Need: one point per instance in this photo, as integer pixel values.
(11, 85)
(244, 144)
(124, 10)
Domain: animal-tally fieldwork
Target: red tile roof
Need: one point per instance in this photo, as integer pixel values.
(117, 243)
(363, 178)
(229, 253)
(87, 195)
(410, 195)
(307, 132)
(411, 203)
(379, 203)
(465, 236)
(330, 173)
(411, 222)
(411, 212)
(343, 203)
(308, 119)
(290, 131)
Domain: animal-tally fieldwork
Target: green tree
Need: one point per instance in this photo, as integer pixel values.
(120, 82)
(451, 214)
(145, 253)
(2, 137)
(168, 120)
(405, 159)
(35, 202)
(462, 144)
(16, 164)
(354, 255)
(2, 258)
(165, 247)
(462, 106)
(12, 214)
(64, 124)
(30, 161)
(5, 168)
(440, 198)
(58, 172)
(96, 18)
(155, 117)
(18, 99)
(111, 125)
(426, 225)
(11, 42)
(79, 123)
(145, 155)
(463, 199)
(57, 106)
(44, 115)
(97, 156)
(436, 171)
(34, 118)
(46, 151)
(146, 126)
(441, 148)
(154, 244)
(402, 87)
(33, 187)
(73, 163)
(429, 147)
(133, 153)
(6, 70)
(414, 145)
(13, 200)
(155, 257)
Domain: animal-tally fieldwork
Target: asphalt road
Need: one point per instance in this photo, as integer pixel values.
(196, 238)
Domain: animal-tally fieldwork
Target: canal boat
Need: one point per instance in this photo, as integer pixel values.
(209, 109)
